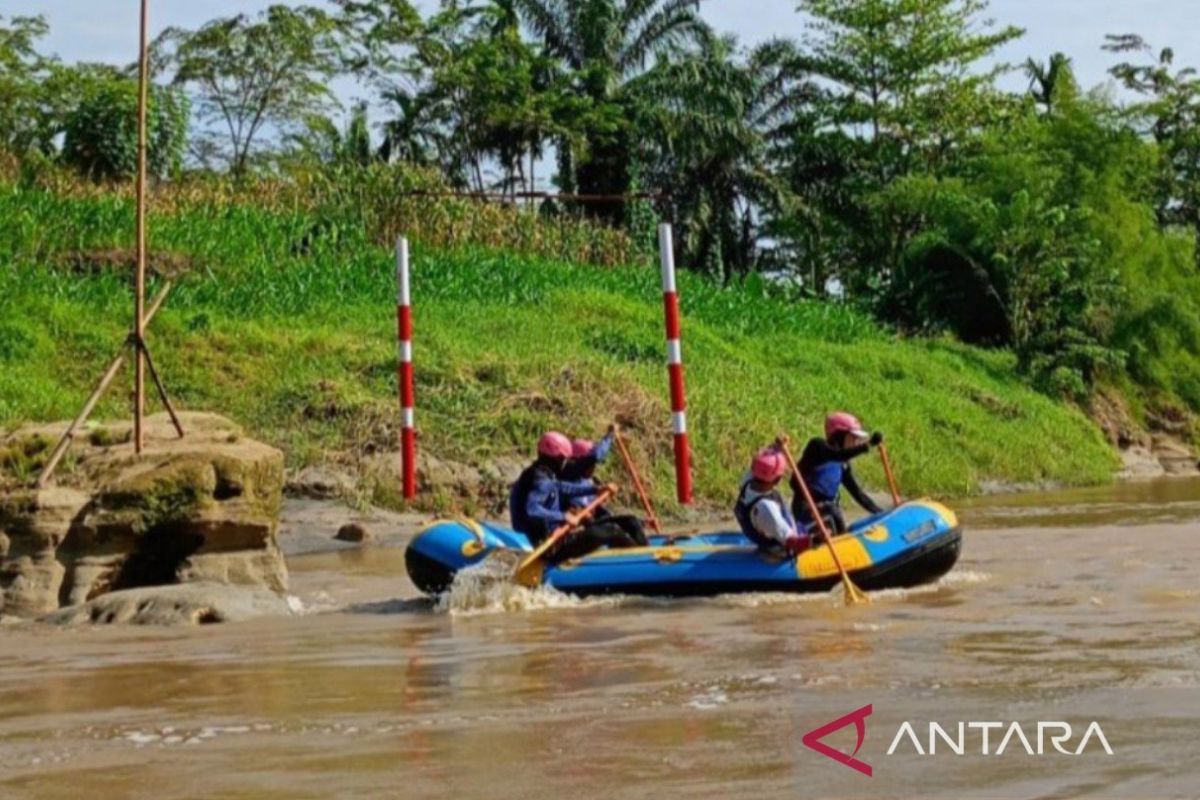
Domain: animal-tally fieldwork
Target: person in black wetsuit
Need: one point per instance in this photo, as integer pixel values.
(585, 457)
(539, 497)
(825, 466)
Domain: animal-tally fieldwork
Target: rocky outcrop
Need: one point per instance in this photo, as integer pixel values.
(203, 509)
(485, 485)
(191, 604)
(320, 483)
(1146, 454)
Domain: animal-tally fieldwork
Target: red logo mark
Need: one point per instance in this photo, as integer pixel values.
(812, 739)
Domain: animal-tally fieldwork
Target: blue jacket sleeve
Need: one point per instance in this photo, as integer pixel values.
(603, 448)
(542, 502)
(569, 489)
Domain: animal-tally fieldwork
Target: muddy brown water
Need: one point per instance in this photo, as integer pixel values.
(1077, 606)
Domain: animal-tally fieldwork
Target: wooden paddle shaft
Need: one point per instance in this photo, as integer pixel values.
(816, 512)
(631, 468)
(887, 470)
(565, 529)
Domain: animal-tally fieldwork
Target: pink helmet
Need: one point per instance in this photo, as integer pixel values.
(769, 465)
(554, 445)
(582, 448)
(843, 422)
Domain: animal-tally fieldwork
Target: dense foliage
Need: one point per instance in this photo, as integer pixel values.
(869, 157)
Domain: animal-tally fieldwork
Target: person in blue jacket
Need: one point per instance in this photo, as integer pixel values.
(540, 500)
(825, 466)
(585, 457)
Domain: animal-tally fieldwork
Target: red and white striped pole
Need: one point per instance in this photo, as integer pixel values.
(408, 433)
(683, 453)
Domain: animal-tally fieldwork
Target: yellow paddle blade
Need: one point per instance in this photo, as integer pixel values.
(529, 573)
(854, 595)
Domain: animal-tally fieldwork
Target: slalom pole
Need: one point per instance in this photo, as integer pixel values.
(683, 467)
(408, 433)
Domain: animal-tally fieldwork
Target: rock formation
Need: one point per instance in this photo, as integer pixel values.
(203, 509)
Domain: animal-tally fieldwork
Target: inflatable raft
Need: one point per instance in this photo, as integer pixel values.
(914, 543)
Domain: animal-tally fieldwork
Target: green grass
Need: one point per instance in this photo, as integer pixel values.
(294, 338)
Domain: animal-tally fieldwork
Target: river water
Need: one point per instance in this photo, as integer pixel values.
(1075, 607)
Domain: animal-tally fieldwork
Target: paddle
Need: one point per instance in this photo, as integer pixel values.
(527, 573)
(853, 593)
(887, 470)
(631, 468)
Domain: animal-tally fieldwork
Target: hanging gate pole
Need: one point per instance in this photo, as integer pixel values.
(683, 467)
(408, 433)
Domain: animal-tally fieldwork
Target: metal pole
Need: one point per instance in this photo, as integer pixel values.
(408, 433)
(683, 452)
(139, 305)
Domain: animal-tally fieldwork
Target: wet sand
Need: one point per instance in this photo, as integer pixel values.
(1076, 606)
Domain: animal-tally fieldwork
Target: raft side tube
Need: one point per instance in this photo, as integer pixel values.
(912, 544)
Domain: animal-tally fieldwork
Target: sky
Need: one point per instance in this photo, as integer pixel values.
(106, 30)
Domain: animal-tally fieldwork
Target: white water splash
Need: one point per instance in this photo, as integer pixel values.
(957, 578)
(489, 588)
(964, 577)
(767, 599)
(710, 700)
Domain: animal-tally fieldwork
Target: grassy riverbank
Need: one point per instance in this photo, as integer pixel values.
(290, 330)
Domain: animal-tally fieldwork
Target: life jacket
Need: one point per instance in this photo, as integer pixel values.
(743, 513)
(825, 482)
(518, 498)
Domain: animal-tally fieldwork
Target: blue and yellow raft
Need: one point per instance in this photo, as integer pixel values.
(912, 544)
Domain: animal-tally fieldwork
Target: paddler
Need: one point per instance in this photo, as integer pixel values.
(586, 455)
(539, 501)
(761, 511)
(825, 466)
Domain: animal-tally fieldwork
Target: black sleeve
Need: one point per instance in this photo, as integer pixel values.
(854, 452)
(818, 452)
(856, 491)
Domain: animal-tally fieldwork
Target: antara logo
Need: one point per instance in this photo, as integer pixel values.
(812, 739)
(1059, 735)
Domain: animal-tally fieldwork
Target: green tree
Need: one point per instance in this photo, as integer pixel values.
(249, 75)
(907, 71)
(324, 142)
(485, 97)
(101, 129)
(1049, 83)
(711, 119)
(603, 45)
(908, 89)
(30, 112)
(1025, 241)
(1170, 114)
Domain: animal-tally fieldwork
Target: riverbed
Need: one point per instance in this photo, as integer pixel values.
(1079, 607)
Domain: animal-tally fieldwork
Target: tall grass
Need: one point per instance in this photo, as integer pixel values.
(376, 202)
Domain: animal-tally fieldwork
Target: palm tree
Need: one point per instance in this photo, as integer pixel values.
(716, 122)
(603, 45)
(1050, 82)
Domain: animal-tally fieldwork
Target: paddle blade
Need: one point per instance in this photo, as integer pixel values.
(854, 595)
(529, 573)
